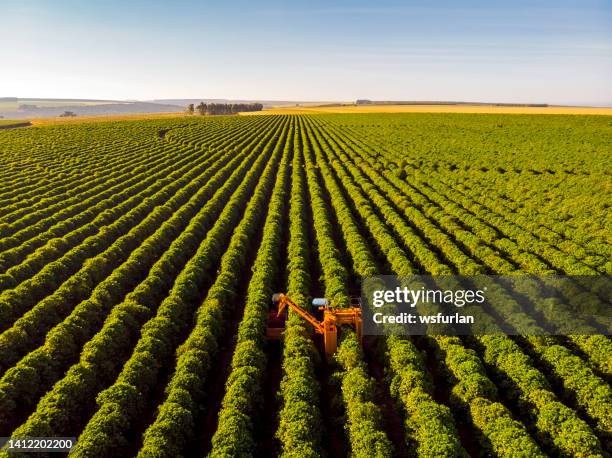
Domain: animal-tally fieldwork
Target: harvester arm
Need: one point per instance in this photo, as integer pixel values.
(284, 301)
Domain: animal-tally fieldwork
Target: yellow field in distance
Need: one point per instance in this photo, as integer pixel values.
(434, 109)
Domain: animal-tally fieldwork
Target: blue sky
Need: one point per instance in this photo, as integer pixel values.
(508, 51)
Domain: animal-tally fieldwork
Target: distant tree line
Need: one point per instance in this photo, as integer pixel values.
(222, 108)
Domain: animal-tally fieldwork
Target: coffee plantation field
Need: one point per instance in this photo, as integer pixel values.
(138, 258)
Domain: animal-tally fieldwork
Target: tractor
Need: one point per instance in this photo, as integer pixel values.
(325, 319)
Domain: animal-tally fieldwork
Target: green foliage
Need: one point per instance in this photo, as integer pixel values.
(300, 429)
(243, 394)
(160, 334)
(125, 246)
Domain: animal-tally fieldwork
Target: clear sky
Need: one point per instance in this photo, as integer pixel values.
(552, 51)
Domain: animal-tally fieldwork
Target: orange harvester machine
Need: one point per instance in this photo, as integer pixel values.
(327, 327)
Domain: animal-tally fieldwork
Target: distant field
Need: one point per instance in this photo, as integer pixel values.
(13, 106)
(104, 118)
(5, 123)
(434, 109)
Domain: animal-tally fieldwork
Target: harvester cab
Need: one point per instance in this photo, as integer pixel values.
(324, 319)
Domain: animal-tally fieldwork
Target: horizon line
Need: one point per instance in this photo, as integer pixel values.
(287, 100)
